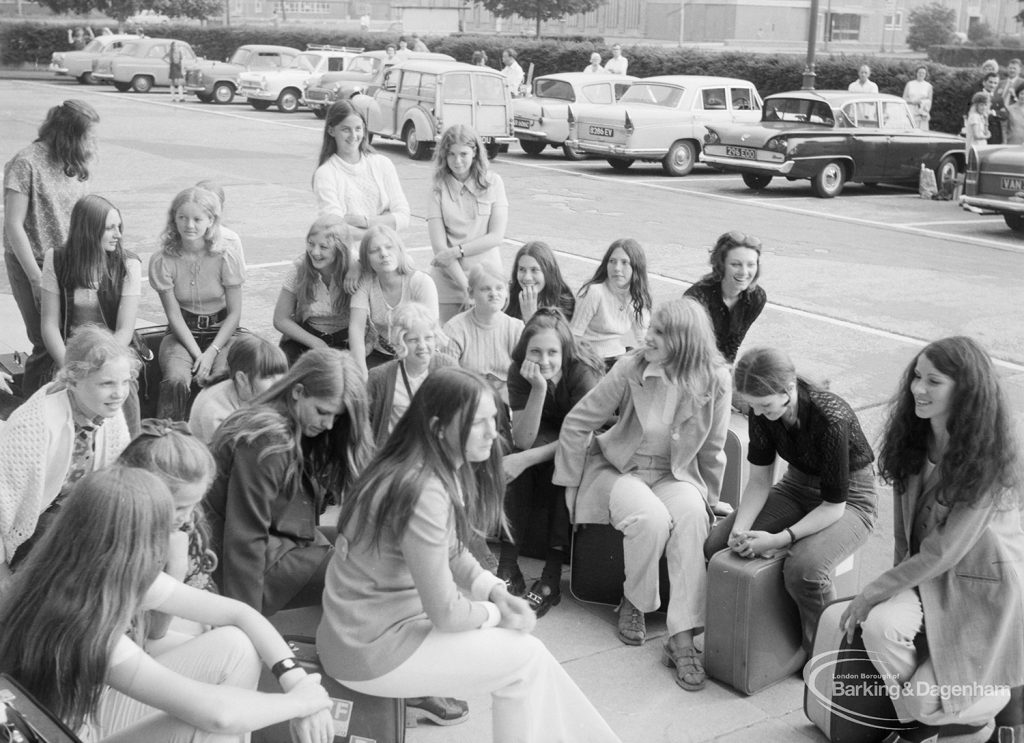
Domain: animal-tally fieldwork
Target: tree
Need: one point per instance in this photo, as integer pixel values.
(122, 10)
(930, 25)
(540, 10)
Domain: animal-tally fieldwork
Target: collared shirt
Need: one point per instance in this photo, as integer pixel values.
(656, 419)
(858, 87)
(827, 441)
(513, 76)
(616, 65)
(731, 325)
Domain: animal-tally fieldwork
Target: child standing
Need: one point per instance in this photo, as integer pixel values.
(976, 130)
(312, 309)
(483, 337)
(199, 279)
(614, 307)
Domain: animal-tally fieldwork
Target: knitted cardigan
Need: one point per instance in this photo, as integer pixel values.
(35, 455)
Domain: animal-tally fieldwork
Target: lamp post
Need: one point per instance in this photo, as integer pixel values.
(812, 41)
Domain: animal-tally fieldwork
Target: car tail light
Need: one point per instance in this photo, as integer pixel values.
(629, 124)
(712, 137)
(569, 115)
(541, 119)
(972, 160)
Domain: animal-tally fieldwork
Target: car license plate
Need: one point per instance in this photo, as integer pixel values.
(744, 152)
(523, 123)
(601, 131)
(1013, 184)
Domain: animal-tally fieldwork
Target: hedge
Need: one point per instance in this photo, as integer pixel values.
(23, 42)
(957, 55)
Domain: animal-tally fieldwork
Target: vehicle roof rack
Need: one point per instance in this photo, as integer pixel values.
(331, 48)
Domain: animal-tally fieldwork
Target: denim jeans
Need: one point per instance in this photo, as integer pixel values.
(38, 366)
(808, 568)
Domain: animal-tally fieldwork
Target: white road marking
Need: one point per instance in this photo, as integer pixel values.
(976, 220)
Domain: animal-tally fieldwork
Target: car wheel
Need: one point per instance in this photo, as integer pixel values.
(86, 78)
(946, 174)
(320, 113)
(756, 181)
(619, 163)
(288, 101)
(1014, 221)
(573, 154)
(204, 97)
(122, 87)
(259, 105)
(532, 146)
(829, 180)
(142, 84)
(223, 93)
(417, 150)
(680, 158)
(494, 149)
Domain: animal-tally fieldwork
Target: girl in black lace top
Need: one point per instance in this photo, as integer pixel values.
(824, 507)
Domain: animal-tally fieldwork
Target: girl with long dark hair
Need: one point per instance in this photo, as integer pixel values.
(537, 282)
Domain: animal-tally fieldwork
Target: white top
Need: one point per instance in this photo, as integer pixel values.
(616, 66)
(485, 349)
(514, 76)
(869, 87)
(608, 325)
(401, 399)
(416, 287)
(213, 404)
(367, 189)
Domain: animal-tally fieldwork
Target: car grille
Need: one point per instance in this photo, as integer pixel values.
(316, 94)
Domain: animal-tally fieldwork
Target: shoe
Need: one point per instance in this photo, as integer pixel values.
(514, 581)
(542, 596)
(632, 628)
(690, 673)
(438, 710)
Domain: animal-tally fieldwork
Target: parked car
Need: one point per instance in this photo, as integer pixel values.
(541, 119)
(78, 64)
(362, 74)
(419, 99)
(217, 82)
(284, 87)
(994, 182)
(663, 119)
(141, 65)
(832, 137)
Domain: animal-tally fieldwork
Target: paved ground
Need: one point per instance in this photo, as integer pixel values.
(856, 285)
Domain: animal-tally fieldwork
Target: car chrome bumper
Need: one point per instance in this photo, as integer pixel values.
(739, 165)
(535, 136)
(58, 69)
(616, 150)
(259, 95)
(315, 103)
(999, 205)
(103, 75)
(198, 89)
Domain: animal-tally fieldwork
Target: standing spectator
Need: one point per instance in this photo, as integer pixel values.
(466, 216)
(480, 58)
(1008, 87)
(618, 64)
(863, 83)
(989, 66)
(976, 130)
(512, 71)
(651, 473)
(595, 64)
(995, 124)
(175, 73)
(199, 279)
(390, 54)
(364, 22)
(77, 37)
(403, 51)
(418, 45)
(730, 293)
(42, 184)
(92, 279)
(918, 95)
(956, 588)
(353, 181)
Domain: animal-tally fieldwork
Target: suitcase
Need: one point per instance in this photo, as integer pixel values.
(597, 568)
(844, 695)
(20, 711)
(358, 718)
(752, 627)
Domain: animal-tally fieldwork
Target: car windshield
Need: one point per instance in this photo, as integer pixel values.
(240, 57)
(305, 62)
(366, 65)
(803, 110)
(666, 96)
(559, 89)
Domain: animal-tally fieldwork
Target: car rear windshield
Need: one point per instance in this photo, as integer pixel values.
(130, 49)
(558, 89)
(798, 109)
(667, 96)
(367, 65)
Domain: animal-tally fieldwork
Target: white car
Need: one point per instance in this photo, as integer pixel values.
(284, 87)
(79, 64)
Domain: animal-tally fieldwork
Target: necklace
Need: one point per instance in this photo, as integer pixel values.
(621, 298)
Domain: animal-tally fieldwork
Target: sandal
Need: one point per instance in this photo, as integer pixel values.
(690, 673)
(438, 710)
(632, 627)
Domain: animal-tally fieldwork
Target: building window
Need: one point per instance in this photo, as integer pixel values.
(632, 13)
(894, 22)
(845, 27)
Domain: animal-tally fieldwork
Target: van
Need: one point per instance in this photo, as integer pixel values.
(419, 99)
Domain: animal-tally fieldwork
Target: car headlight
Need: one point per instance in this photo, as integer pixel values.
(712, 137)
(776, 145)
